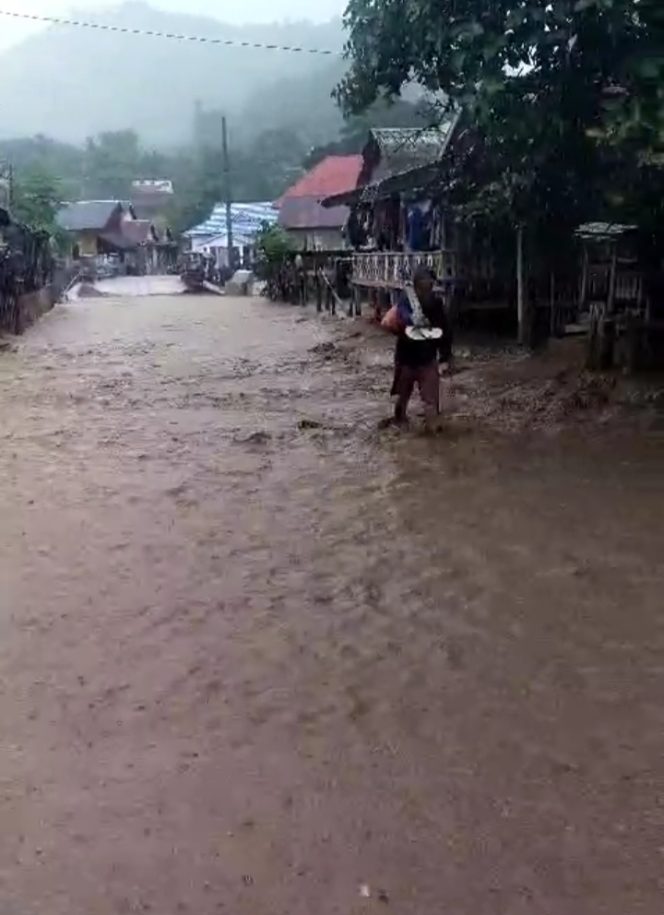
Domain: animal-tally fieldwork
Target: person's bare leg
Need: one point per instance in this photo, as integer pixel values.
(401, 411)
(403, 388)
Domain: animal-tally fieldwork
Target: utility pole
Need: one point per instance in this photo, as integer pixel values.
(227, 192)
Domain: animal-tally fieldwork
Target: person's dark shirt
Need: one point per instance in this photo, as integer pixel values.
(417, 353)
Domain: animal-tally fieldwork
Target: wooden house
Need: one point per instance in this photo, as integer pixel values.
(97, 227)
(394, 222)
(311, 226)
(145, 239)
(403, 215)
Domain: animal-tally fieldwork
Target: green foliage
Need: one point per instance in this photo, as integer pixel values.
(106, 166)
(37, 198)
(546, 87)
(273, 245)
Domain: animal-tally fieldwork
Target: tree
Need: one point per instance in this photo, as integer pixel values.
(272, 247)
(37, 198)
(112, 161)
(534, 78)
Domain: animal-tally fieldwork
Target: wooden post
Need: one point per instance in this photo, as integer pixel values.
(612, 281)
(583, 295)
(552, 299)
(520, 296)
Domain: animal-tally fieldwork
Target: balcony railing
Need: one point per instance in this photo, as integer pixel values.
(390, 269)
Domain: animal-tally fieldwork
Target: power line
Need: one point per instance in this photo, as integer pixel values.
(170, 36)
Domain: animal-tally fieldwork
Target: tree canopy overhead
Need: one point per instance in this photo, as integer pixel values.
(559, 90)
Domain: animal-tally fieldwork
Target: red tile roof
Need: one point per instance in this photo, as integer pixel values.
(300, 206)
(332, 175)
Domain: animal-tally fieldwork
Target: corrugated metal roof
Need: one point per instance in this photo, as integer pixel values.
(247, 220)
(424, 149)
(604, 230)
(403, 148)
(87, 215)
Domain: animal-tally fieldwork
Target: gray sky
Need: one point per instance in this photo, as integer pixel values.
(236, 11)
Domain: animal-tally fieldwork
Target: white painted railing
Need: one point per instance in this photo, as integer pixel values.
(392, 268)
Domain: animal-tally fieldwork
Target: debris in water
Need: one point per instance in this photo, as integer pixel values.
(309, 424)
(247, 879)
(365, 891)
(255, 438)
(383, 896)
(323, 349)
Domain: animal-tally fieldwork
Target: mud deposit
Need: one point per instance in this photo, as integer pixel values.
(259, 658)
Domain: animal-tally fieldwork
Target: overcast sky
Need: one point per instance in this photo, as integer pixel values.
(237, 11)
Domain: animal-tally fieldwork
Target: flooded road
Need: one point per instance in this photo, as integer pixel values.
(259, 658)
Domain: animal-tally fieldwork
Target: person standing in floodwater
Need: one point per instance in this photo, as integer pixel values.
(416, 361)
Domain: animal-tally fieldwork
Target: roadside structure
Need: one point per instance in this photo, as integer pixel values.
(97, 227)
(145, 239)
(621, 295)
(310, 225)
(28, 282)
(395, 221)
(403, 215)
(210, 237)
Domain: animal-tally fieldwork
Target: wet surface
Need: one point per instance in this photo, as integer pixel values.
(258, 658)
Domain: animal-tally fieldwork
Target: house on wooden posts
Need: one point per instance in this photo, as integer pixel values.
(405, 213)
(397, 219)
(311, 226)
(97, 227)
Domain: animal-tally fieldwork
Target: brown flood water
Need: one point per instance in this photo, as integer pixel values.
(249, 665)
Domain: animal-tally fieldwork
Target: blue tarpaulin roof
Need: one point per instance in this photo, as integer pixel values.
(247, 219)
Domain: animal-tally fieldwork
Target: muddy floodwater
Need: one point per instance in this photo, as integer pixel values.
(258, 657)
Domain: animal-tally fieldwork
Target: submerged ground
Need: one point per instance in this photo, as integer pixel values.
(259, 657)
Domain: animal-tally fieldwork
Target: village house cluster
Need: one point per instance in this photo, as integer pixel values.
(112, 237)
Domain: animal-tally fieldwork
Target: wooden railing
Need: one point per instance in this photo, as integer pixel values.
(629, 284)
(390, 269)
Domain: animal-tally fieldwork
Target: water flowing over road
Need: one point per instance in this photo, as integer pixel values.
(259, 657)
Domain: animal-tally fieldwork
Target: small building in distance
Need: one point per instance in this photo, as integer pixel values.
(145, 239)
(150, 198)
(311, 226)
(97, 226)
(210, 237)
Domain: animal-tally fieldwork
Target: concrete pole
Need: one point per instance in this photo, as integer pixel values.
(227, 191)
